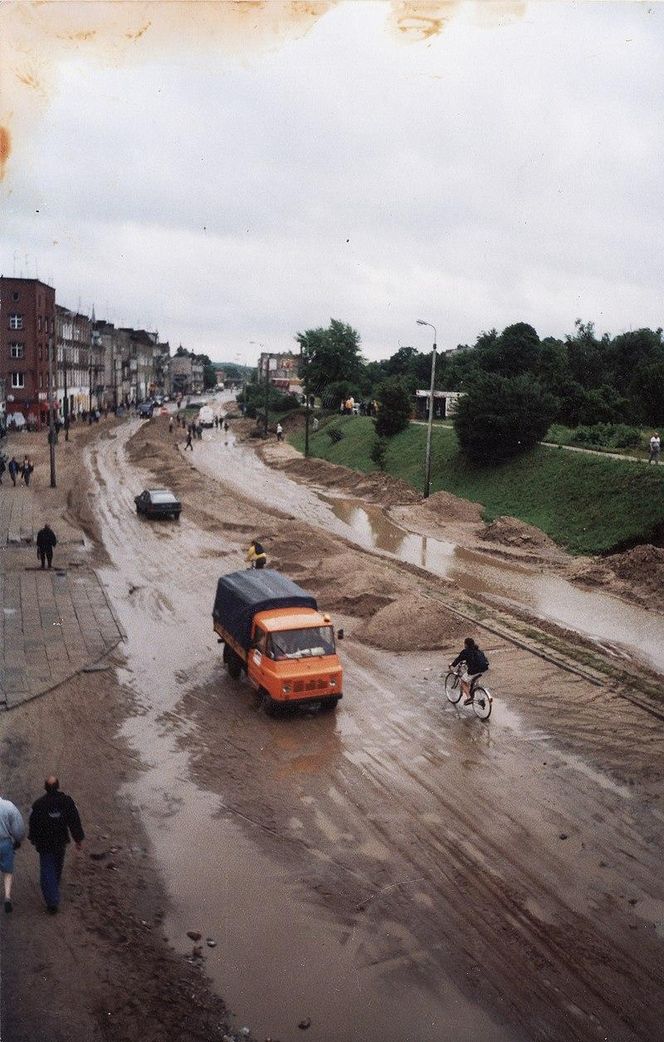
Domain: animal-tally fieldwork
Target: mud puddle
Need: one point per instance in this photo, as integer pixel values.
(593, 614)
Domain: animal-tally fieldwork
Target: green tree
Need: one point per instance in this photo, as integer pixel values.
(395, 408)
(647, 393)
(515, 351)
(330, 356)
(499, 417)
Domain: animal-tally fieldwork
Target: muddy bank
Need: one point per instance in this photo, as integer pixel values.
(636, 575)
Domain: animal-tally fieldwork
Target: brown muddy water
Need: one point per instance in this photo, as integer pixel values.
(591, 613)
(278, 959)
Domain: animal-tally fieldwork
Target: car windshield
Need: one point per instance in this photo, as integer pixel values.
(307, 643)
(162, 497)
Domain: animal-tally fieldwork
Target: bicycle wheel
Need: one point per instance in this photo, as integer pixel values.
(453, 687)
(482, 702)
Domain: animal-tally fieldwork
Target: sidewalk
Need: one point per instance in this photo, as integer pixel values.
(55, 622)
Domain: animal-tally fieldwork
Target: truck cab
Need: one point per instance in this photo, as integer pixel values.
(272, 630)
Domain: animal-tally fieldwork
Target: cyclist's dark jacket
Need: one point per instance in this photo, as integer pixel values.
(471, 656)
(53, 817)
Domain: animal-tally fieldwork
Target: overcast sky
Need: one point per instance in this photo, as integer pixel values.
(507, 168)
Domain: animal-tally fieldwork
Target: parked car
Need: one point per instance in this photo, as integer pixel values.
(158, 502)
(145, 409)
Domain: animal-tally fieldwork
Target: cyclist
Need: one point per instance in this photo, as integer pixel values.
(256, 555)
(475, 662)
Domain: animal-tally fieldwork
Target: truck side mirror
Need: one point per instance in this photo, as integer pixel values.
(340, 634)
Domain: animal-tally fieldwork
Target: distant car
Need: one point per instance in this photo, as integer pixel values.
(158, 502)
(146, 409)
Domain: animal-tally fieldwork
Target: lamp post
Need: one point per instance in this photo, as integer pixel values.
(51, 418)
(267, 382)
(427, 464)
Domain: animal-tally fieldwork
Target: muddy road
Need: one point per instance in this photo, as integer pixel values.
(397, 870)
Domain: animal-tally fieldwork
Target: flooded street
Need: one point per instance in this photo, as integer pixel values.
(376, 871)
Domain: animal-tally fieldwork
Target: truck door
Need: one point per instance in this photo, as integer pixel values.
(256, 670)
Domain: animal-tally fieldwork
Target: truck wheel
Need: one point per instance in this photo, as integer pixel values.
(329, 705)
(271, 707)
(233, 663)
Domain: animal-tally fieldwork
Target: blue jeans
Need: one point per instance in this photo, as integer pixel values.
(50, 871)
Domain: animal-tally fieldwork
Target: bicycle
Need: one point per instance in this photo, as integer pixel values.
(482, 697)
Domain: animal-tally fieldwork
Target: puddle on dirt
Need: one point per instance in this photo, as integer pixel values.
(593, 614)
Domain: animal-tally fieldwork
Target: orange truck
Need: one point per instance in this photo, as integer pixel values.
(273, 630)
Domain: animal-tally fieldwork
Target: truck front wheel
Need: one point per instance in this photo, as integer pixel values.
(233, 663)
(330, 704)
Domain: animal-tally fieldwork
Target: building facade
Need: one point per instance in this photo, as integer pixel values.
(73, 349)
(27, 328)
(281, 369)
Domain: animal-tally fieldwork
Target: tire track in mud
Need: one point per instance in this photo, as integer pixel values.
(572, 972)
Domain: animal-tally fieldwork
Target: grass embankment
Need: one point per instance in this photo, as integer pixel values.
(585, 503)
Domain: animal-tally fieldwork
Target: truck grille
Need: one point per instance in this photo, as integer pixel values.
(310, 685)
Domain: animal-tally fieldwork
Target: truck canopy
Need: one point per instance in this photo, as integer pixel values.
(241, 595)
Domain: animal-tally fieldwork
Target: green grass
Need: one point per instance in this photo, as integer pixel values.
(585, 503)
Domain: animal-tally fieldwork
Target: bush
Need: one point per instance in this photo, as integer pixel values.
(378, 451)
(334, 434)
(395, 408)
(499, 417)
(607, 436)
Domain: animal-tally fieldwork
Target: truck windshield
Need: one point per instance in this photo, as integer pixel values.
(313, 641)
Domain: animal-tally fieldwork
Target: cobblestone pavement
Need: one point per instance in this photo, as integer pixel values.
(53, 622)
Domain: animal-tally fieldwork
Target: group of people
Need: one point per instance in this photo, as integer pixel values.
(54, 819)
(16, 470)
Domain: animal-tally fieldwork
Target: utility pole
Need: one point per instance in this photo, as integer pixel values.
(51, 419)
(427, 466)
(267, 390)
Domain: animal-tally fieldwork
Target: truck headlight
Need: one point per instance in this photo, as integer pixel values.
(333, 682)
(287, 688)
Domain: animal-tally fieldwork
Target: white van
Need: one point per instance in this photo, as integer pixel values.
(206, 416)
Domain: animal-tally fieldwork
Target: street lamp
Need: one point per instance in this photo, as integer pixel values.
(427, 465)
(267, 381)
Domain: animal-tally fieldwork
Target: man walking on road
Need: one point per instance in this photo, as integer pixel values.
(12, 831)
(46, 543)
(188, 443)
(54, 817)
(13, 469)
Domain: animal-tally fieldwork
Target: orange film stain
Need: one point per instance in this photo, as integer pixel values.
(136, 35)
(5, 149)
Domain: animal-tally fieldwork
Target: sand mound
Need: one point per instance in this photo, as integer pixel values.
(376, 487)
(415, 623)
(446, 507)
(642, 569)
(509, 531)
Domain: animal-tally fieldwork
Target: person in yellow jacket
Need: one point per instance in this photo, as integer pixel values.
(256, 555)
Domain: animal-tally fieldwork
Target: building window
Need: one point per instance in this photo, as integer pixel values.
(14, 295)
(40, 353)
(16, 350)
(39, 323)
(16, 321)
(18, 380)
(41, 380)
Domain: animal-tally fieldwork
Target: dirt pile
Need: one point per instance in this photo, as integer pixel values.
(375, 487)
(443, 506)
(414, 623)
(509, 531)
(637, 573)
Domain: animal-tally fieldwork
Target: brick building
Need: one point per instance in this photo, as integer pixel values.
(283, 370)
(27, 322)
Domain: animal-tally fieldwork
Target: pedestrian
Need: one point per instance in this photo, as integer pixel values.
(188, 444)
(655, 447)
(46, 543)
(170, 425)
(216, 422)
(12, 831)
(199, 431)
(226, 427)
(315, 424)
(53, 819)
(13, 469)
(280, 432)
(256, 555)
(27, 469)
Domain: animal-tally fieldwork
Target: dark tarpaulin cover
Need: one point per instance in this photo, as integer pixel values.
(241, 595)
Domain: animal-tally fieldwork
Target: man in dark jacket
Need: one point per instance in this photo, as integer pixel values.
(46, 543)
(54, 817)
